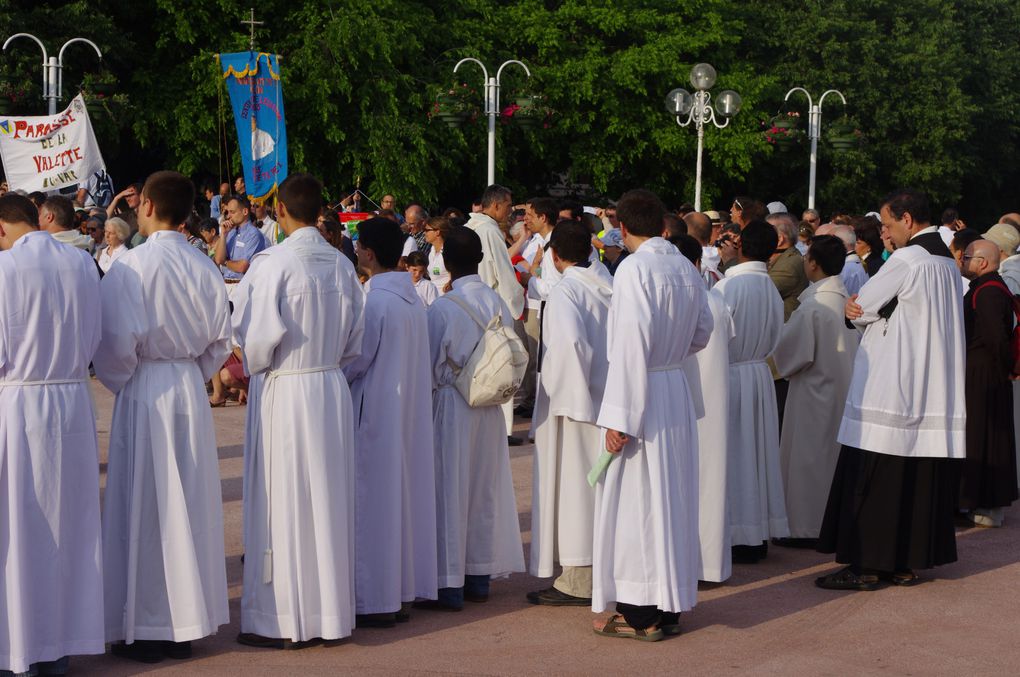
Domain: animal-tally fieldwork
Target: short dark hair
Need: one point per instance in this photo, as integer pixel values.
(949, 215)
(241, 200)
(547, 207)
(673, 225)
(688, 246)
(964, 238)
(62, 210)
(384, 238)
(172, 195)
(571, 240)
(908, 200)
(416, 258)
(208, 225)
(455, 216)
(462, 251)
(495, 193)
(573, 206)
(15, 208)
(829, 252)
(758, 241)
(868, 229)
(301, 194)
(641, 212)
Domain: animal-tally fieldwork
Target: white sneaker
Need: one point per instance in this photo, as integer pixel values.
(987, 518)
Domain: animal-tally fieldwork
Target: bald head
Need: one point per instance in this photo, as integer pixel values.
(982, 257)
(699, 226)
(1012, 219)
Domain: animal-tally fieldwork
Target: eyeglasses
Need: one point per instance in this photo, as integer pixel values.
(965, 257)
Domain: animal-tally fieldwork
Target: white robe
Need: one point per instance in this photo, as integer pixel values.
(426, 291)
(391, 388)
(567, 441)
(299, 316)
(709, 380)
(476, 514)
(924, 415)
(755, 483)
(52, 581)
(816, 352)
(165, 332)
(646, 505)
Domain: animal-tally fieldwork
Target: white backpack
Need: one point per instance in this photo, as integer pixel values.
(495, 369)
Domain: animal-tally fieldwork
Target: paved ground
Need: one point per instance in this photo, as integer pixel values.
(767, 619)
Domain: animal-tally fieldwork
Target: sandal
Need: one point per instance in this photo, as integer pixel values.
(845, 579)
(617, 628)
(904, 579)
(669, 623)
(217, 403)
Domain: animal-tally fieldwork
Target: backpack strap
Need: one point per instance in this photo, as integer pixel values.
(467, 309)
(990, 283)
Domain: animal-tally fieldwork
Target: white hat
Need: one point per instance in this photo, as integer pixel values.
(776, 207)
(1003, 236)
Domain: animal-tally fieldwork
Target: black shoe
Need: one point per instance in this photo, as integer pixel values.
(805, 543)
(554, 597)
(177, 650)
(475, 597)
(404, 615)
(435, 605)
(514, 441)
(745, 554)
(143, 651)
(262, 642)
(375, 620)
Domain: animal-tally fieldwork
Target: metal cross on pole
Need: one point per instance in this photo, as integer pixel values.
(251, 24)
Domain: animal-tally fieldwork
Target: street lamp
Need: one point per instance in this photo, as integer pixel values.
(492, 106)
(814, 132)
(698, 109)
(52, 67)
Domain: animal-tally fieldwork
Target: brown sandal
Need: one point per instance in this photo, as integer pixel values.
(221, 403)
(616, 627)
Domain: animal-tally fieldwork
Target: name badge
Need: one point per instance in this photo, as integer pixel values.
(239, 244)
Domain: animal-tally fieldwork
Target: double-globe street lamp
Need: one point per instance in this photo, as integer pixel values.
(814, 133)
(492, 106)
(699, 110)
(53, 67)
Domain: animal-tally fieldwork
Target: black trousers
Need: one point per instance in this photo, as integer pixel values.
(641, 617)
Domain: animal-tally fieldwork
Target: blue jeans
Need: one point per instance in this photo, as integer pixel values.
(473, 585)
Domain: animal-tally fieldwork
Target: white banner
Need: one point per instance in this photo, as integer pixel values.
(50, 152)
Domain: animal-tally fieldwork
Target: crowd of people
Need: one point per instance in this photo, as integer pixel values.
(699, 386)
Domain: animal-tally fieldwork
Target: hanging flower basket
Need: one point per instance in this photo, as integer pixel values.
(783, 132)
(528, 112)
(456, 106)
(843, 135)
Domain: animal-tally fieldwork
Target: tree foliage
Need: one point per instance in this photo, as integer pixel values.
(934, 86)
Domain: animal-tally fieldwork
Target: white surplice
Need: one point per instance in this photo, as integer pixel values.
(298, 317)
(646, 505)
(709, 381)
(912, 410)
(1009, 269)
(166, 330)
(476, 513)
(52, 582)
(755, 483)
(567, 441)
(816, 352)
(395, 504)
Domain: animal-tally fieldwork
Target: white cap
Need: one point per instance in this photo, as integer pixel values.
(776, 207)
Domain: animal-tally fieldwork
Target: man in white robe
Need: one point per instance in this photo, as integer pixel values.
(165, 333)
(816, 352)
(891, 508)
(646, 552)
(478, 534)
(299, 317)
(165, 578)
(52, 586)
(496, 269)
(755, 485)
(709, 380)
(567, 441)
(391, 388)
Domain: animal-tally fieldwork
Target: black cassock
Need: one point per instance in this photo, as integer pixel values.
(989, 478)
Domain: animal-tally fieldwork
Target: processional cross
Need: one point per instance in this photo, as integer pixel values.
(252, 23)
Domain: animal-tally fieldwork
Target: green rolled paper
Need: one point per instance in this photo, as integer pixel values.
(599, 468)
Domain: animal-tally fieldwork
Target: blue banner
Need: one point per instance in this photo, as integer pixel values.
(256, 94)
